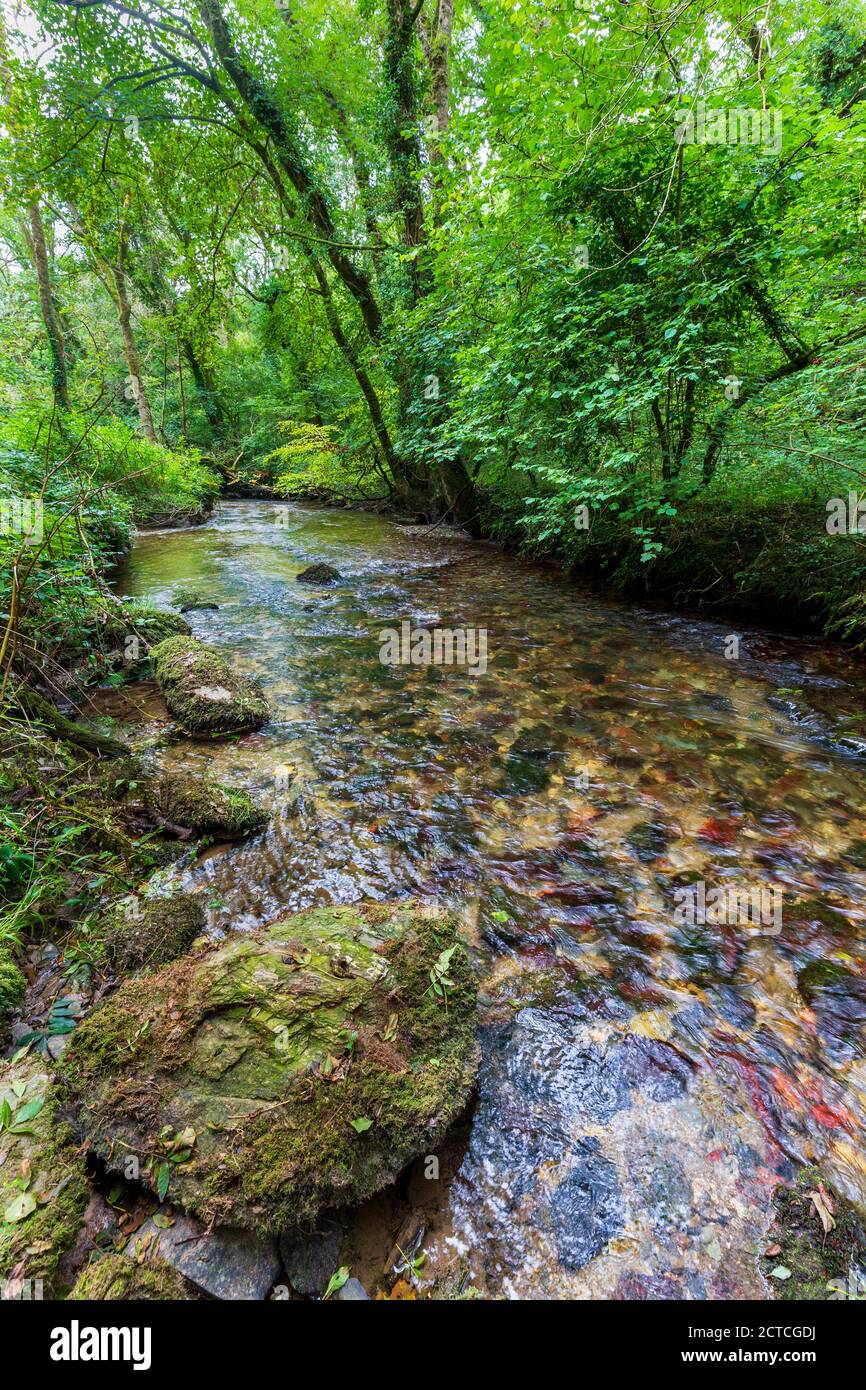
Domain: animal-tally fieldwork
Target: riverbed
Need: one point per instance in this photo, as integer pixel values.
(651, 1069)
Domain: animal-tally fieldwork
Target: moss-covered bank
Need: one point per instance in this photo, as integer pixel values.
(43, 1189)
(768, 561)
(290, 1070)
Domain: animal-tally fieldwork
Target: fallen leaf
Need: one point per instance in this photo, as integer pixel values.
(20, 1207)
(823, 1210)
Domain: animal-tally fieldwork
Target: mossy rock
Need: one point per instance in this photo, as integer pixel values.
(319, 574)
(201, 804)
(812, 1256)
(117, 1278)
(39, 1221)
(312, 1060)
(153, 625)
(12, 987)
(203, 693)
(137, 619)
(148, 933)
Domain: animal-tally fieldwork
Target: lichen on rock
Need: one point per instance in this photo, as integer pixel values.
(311, 1060)
(147, 933)
(43, 1189)
(118, 1278)
(203, 693)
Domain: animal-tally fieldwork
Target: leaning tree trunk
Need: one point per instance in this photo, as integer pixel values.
(130, 349)
(50, 317)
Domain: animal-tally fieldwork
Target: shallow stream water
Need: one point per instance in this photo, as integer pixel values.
(648, 1075)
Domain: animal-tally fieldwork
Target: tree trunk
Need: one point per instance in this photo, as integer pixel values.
(50, 317)
(264, 109)
(130, 350)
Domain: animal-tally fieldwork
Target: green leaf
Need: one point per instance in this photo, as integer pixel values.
(163, 1178)
(27, 1112)
(20, 1207)
(337, 1280)
(780, 1272)
(361, 1124)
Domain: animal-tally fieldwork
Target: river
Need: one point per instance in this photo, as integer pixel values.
(651, 1068)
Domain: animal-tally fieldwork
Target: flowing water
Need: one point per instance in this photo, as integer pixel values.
(649, 1073)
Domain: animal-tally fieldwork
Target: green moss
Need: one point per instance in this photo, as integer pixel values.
(56, 1180)
(201, 804)
(12, 987)
(152, 625)
(821, 974)
(813, 1256)
(147, 933)
(270, 1046)
(203, 693)
(113, 625)
(117, 1278)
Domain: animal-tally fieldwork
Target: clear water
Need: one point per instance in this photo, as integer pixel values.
(646, 1081)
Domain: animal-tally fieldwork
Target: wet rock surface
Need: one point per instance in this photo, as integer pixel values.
(319, 574)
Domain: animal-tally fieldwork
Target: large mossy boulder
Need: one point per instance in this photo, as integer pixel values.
(43, 1189)
(203, 693)
(117, 1278)
(144, 933)
(293, 1069)
(205, 806)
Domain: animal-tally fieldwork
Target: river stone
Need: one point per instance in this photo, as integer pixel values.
(319, 574)
(352, 1291)
(146, 933)
(313, 1060)
(310, 1260)
(204, 805)
(202, 691)
(226, 1263)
